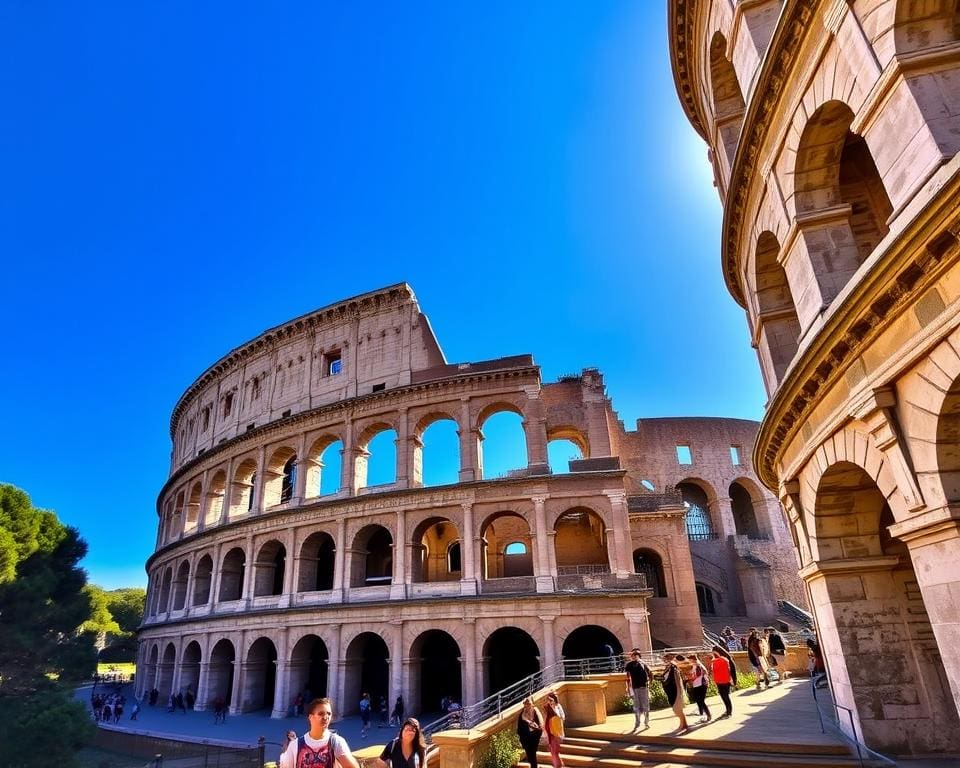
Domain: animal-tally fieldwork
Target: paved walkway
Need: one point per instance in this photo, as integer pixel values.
(782, 713)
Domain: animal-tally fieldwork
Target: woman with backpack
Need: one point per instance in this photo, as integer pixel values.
(554, 715)
(699, 679)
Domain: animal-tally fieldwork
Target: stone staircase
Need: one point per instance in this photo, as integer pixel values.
(592, 748)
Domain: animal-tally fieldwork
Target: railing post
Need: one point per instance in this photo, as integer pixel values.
(261, 748)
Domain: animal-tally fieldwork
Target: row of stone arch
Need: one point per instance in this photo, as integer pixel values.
(833, 207)
(256, 678)
(506, 545)
(324, 467)
(711, 515)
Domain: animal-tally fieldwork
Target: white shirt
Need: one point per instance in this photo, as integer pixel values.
(339, 745)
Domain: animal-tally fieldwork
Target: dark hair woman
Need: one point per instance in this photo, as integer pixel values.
(529, 730)
(407, 750)
(673, 688)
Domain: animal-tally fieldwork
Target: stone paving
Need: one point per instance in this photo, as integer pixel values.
(784, 713)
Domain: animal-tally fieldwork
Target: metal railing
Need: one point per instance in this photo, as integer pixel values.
(493, 706)
(833, 720)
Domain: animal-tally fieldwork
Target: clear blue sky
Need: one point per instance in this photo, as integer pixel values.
(179, 176)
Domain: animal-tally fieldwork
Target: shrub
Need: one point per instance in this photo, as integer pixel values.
(502, 751)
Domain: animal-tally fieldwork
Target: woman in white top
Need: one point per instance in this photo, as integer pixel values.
(319, 747)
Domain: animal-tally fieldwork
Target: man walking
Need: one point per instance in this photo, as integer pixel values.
(638, 675)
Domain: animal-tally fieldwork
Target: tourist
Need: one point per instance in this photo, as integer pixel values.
(219, 710)
(135, 711)
(673, 688)
(699, 680)
(365, 707)
(554, 717)
(288, 737)
(382, 712)
(757, 658)
(407, 750)
(319, 746)
(529, 730)
(724, 673)
(397, 715)
(638, 676)
(818, 670)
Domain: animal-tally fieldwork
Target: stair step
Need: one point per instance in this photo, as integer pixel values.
(580, 736)
(577, 755)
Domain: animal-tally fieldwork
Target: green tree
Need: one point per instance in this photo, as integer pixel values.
(43, 605)
(127, 606)
(101, 622)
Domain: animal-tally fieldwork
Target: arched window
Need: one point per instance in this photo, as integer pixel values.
(503, 446)
(699, 524)
(648, 563)
(453, 557)
(289, 482)
(705, 599)
(515, 548)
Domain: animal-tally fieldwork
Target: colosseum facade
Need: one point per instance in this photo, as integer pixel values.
(279, 568)
(833, 128)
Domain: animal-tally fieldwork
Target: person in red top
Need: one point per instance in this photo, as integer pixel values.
(721, 667)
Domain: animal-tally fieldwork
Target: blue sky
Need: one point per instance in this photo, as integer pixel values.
(177, 177)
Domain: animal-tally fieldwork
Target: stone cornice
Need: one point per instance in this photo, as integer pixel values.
(340, 410)
(680, 18)
(341, 311)
(778, 62)
(892, 279)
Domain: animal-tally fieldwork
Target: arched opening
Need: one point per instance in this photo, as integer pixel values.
(503, 444)
(270, 569)
(165, 681)
(163, 604)
(190, 668)
(581, 543)
(834, 169)
(777, 320)
(436, 459)
(510, 655)
(241, 497)
(280, 477)
(744, 517)
(231, 575)
(699, 524)
(727, 98)
(871, 615)
(218, 489)
(590, 642)
(650, 565)
(260, 675)
(309, 668)
(706, 599)
(317, 468)
(376, 462)
(176, 522)
(331, 470)
(202, 580)
(180, 586)
(454, 564)
(948, 444)
(560, 452)
(507, 547)
(317, 559)
(220, 682)
(193, 507)
(430, 560)
(372, 558)
(436, 670)
(367, 663)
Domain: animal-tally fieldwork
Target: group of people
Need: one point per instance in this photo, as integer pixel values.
(534, 727)
(319, 747)
(109, 709)
(693, 674)
(366, 712)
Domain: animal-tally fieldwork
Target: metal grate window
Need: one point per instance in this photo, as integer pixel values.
(699, 527)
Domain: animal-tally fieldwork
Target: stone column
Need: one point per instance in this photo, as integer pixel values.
(721, 516)
(549, 642)
(228, 489)
(215, 576)
(469, 454)
(204, 501)
(339, 561)
(257, 506)
(202, 687)
(191, 579)
(398, 586)
(290, 565)
(468, 584)
(639, 624)
(622, 561)
(544, 578)
(347, 462)
(404, 461)
(468, 665)
(249, 575)
(335, 684)
(281, 686)
(535, 431)
(396, 660)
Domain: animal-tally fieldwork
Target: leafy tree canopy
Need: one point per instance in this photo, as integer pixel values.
(127, 606)
(42, 598)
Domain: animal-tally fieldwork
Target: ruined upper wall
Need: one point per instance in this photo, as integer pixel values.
(374, 341)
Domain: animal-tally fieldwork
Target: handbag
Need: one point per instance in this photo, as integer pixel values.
(555, 725)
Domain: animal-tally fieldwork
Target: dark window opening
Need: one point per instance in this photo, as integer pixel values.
(251, 426)
(227, 404)
(379, 387)
(333, 363)
(285, 413)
